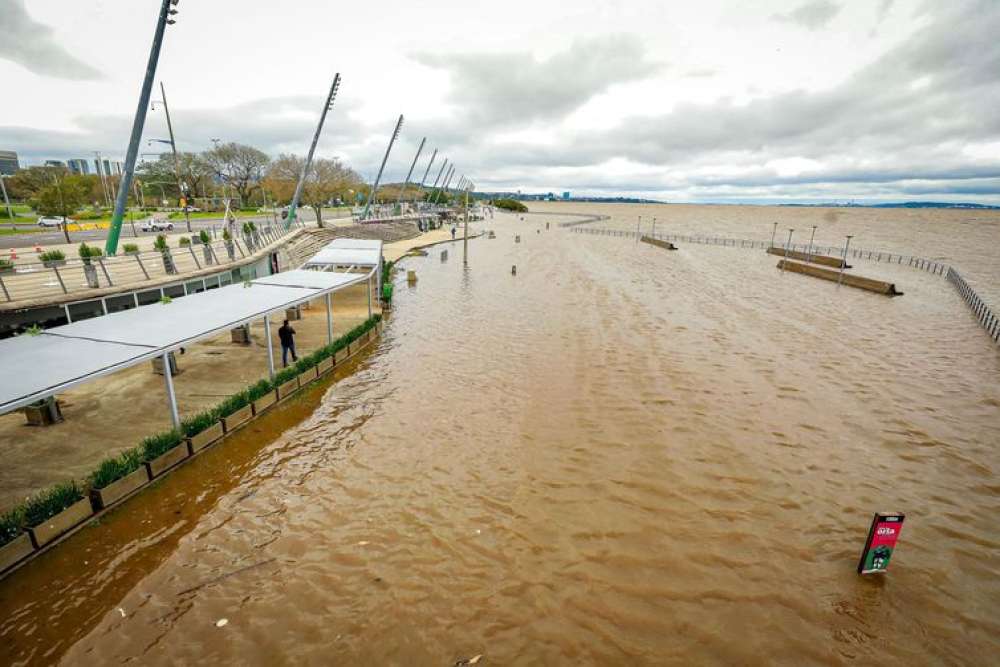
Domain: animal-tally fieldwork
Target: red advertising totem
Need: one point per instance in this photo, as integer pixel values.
(881, 542)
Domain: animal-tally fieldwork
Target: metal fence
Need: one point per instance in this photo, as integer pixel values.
(979, 307)
(33, 279)
(922, 263)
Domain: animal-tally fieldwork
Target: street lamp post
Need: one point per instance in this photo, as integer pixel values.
(840, 277)
(399, 200)
(378, 177)
(181, 190)
(111, 246)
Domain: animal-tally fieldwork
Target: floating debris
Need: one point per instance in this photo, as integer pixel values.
(222, 622)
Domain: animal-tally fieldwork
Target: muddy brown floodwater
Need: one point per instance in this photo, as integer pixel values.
(621, 455)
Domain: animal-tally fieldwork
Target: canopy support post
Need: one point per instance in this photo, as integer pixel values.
(369, 285)
(168, 375)
(329, 317)
(270, 350)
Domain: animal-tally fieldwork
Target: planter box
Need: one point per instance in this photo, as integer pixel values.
(264, 402)
(202, 440)
(324, 366)
(166, 461)
(72, 516)
(116, 490)
(49, 263)
(43, 413)
(15, 550)
(289, 388)
(237, 418)
(342, 355)
(9, 271)
(293, 313)
(353, 348)
(240, 335)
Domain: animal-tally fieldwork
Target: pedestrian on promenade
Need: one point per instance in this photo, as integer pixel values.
(287, 336)
(453, 232)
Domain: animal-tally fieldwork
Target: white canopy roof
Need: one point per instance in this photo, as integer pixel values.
(59, 358)
(348, 252)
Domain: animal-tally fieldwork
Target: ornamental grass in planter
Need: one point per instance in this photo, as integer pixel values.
(116, 477)
(163, 451)
(87, 254)
(202, 430)
(130, 249)
(52, 258)
(54, 511)
(6, 266)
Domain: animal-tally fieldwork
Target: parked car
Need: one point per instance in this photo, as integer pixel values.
(154, 225)
(51, 221)
(192, 209)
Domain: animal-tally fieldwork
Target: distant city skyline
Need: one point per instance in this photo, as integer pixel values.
(804, 100)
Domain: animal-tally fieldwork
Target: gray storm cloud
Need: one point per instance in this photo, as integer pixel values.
(811, 15)
(516, 88)
(32, 45)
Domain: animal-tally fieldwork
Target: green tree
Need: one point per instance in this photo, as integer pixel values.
(62, 196)
(238, 165)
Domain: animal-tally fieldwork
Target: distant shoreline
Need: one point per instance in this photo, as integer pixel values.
(908, 204)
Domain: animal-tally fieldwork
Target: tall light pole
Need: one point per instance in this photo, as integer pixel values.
(420, 188)
(104, 183)
(444, 183)
(399, 200)
(181, 191)
(437, 178)
(388, 149)
(327, 106)
(111, 246)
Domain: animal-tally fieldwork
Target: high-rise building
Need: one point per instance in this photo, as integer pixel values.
(79, 166)
(565, 195)
(55, 163)
(107, 168)
(8, 163)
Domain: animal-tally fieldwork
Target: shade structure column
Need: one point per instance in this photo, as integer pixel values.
(168, 377)
(329, 317)
(368, 283)
(270, 350)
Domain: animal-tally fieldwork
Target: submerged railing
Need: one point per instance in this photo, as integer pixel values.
(979, 307)
(922, 263)
(984, 314)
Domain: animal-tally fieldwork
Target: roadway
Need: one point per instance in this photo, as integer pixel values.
(54, 236)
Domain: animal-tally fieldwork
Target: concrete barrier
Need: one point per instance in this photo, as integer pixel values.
(878, 286)
(835, 262)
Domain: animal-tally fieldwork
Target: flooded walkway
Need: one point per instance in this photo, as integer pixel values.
(618, 456)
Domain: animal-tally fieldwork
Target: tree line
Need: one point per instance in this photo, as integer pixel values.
(244, 175)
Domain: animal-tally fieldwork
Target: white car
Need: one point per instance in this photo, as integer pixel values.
(51, 221)
(154, 225)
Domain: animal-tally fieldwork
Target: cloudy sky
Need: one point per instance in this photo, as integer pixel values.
(683, 101)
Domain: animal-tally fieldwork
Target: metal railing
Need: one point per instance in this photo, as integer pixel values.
(922, 263)
(33, 279)
(984, 314)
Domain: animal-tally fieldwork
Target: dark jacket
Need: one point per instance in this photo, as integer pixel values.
(285, 334)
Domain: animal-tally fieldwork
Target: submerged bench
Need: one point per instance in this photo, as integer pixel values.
(666, 245)
(835, 262)
(878, 286)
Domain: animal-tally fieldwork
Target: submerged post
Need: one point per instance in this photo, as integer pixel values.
(329, 317)
(327, 106)
(270, 351)
(638, 225)
(168, 375)
(388, 149)
(790, 230)
(465, 238)
(809, 251)
(774, 230)
(840, 277)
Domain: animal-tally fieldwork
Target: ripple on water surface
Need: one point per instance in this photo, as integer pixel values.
(620, 454)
